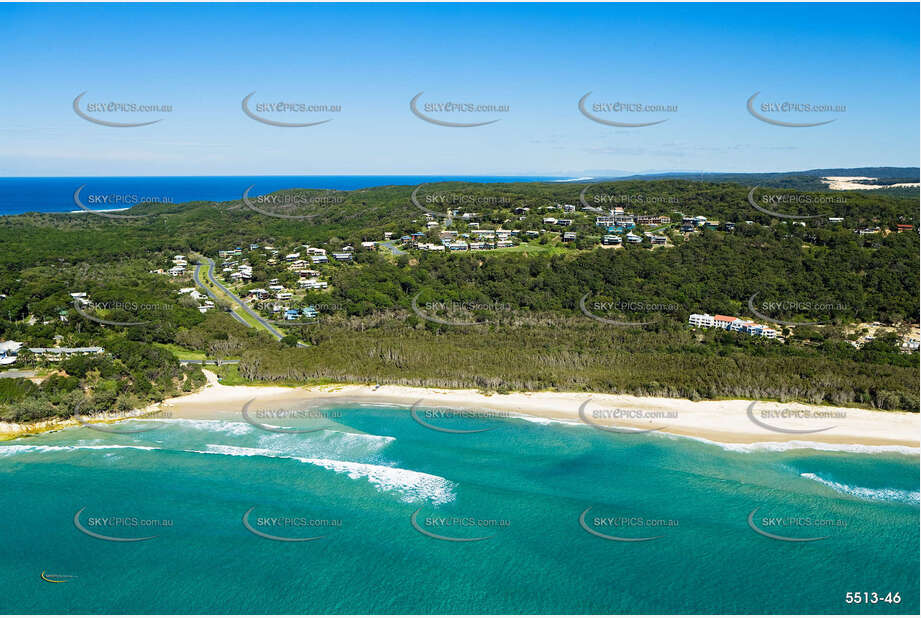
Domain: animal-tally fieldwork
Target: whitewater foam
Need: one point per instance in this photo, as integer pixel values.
(792, 445)
(412, 486)
(17, 449)
(868, 493)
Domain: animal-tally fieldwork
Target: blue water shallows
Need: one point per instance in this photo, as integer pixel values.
(21, 195)
(521, 487)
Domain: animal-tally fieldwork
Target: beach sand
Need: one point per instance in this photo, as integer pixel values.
(739, 422)
(727, 421)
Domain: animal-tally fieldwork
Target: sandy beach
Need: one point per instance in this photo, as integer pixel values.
(734, 422)
(729, 421)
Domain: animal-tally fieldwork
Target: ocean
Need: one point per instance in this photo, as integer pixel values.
(407, 519)
(20, 195)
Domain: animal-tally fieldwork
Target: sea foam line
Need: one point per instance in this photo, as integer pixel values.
(792, 445)
(868, 493)
(412, 485)
(17, 449)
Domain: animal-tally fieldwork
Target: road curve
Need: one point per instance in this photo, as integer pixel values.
(210, 273)
(267, 325)
(392, 247)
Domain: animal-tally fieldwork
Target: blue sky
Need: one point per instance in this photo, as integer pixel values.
(538, 59)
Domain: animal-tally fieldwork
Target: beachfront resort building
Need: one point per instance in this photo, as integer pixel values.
(732, 324)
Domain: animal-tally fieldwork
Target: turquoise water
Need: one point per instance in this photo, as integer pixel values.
(358, 480)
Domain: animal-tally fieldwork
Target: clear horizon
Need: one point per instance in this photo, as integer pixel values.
(699, 65)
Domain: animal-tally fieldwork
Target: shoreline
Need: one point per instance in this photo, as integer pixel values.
(730, 423)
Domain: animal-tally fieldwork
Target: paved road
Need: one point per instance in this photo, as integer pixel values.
(27, 373)
(262, 321)
(209, 362)
(210, 273)
(393, 248)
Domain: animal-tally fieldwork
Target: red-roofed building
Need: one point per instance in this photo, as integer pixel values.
(904, 227)
(724, 321)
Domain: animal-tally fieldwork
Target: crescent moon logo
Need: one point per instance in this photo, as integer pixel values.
(80, 204)
(751, 200)
(605, 320)
(444, 123)
(585, 420)
(608, 537)
(612, 123)
(272, 428)
(106, 123)
(270, 214)
(415, 201)
(440, 537)
(97, 427)
(275, 123)
(777, 537)
(415, 417)
(582, 195)
(426, 316)
(780, 123)
(751, 307)
(751, 417)
(272, 537)
(115, 539)
(84, 314)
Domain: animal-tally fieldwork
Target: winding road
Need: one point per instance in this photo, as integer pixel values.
(393, 248)
(196, 275)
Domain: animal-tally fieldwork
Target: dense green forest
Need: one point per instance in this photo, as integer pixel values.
(533, 334)
(808, 180)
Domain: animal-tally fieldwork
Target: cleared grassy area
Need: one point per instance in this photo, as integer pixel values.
(181, 352)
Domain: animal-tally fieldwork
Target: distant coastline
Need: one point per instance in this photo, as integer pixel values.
(19, 195)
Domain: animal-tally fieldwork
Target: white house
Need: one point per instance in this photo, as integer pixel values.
(702, 320)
